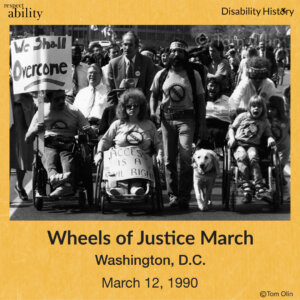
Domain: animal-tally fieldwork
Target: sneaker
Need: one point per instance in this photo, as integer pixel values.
(62, 191)
(21, 193)
(173, 201)
(59, 178)
(116, 191)
(246, 187)
(247, 198)
(137, 190)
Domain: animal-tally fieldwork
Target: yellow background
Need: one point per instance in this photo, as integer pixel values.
(32, 269)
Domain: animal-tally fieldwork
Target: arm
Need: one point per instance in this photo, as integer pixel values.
(150, 73)
(34, 129)
(153, 103)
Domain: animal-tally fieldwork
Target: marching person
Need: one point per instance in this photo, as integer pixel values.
(131, 69)
(79, 74)
(256, 83)
(181, 93)
(92, 100)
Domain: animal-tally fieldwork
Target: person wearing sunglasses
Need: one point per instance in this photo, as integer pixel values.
(132, 128)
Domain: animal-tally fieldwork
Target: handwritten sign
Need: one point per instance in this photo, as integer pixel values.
(41, 63)
(127, 163)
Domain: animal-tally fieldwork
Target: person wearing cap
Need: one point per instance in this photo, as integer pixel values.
(131, 69)
(92, 100)
(180, 90)
(256, 83)
(79, 74)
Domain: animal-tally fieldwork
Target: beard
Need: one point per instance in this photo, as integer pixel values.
(177, 62)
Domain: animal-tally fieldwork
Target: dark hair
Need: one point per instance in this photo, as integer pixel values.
(258, 67)
(278, 103)
(217, 44)
(165, 50)
(251, 52)
(180, 41)
(112, 46)
(94, 45)
(136, 38)
(150, 49)
(49, 94)
(215, 81)
(258, 100)
(76, 49)
(137, 95)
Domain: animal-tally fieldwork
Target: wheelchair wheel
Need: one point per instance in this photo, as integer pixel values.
(226, 178)
(233, 201)
(39, 179)
(103, 199)
(87, 176)
(82, 199)
(276, 182)
(98, 187)
(157, 201)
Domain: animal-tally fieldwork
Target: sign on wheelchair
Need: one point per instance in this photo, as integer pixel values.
(127, 163)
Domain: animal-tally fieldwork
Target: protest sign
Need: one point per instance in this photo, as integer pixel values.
(127, 163)
(41, 63)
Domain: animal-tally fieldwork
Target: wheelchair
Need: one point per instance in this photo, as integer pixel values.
(153, 191)
(271, 171)
(41, 187)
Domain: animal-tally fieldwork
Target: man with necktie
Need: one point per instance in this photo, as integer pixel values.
(131, 69)
(92, 100)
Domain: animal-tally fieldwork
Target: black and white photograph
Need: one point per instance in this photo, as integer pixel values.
(150, 122)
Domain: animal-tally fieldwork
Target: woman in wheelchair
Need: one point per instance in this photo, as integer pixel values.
(61, 123)
(217, 114)
(132, 128)
(245, 136)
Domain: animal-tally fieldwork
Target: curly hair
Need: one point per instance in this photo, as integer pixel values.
(139, 97)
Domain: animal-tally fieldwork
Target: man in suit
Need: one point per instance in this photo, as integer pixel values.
(131, 69)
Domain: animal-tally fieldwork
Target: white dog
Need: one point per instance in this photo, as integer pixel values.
(206, 169)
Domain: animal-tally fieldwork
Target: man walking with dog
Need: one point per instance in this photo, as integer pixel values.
(182, 112)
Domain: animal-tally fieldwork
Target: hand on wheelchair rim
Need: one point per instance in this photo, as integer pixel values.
(98, 158)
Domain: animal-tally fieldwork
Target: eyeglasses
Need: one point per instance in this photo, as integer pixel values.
(129, 106)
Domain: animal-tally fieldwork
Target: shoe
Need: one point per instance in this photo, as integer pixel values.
(62, 191)
(173, 201)
(116, 191)
(59, 179)
(21, 193)
(247, 198)
(137, 190)
(246, 187)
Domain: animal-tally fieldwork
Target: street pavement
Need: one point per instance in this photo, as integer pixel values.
(257, 210)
